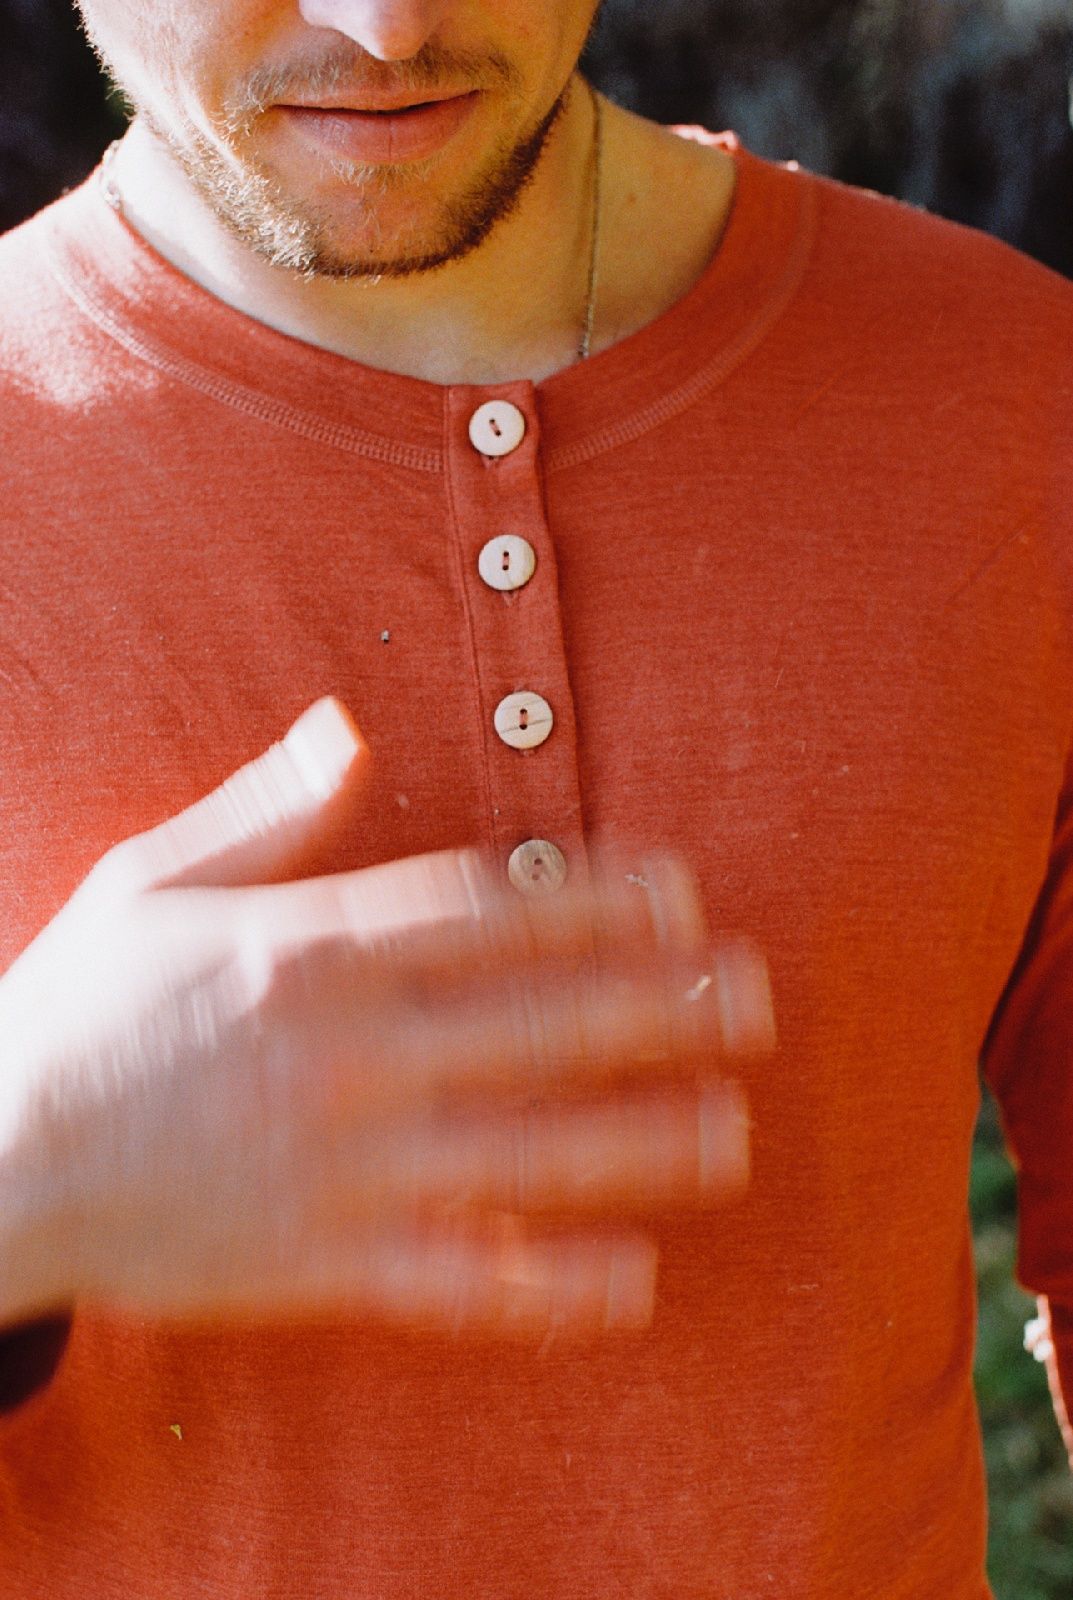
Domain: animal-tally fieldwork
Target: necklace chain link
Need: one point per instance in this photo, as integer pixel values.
(585, 346)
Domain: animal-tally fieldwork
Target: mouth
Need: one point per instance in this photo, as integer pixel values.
(382, 131)
(377, 105)
(383, 113)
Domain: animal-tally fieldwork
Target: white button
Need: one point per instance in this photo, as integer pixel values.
(496, 428)
(537, 867)
(507, 563)
(523, 721)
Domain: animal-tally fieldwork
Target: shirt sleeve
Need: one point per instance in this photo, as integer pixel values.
(30, 1352)
(1027, 1061)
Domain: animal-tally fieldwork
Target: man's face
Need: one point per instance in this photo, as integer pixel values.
(214, 80)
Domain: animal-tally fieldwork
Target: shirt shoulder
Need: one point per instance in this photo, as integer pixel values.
(899, 262)
(61, 371)
(884, 271)
(27, 283)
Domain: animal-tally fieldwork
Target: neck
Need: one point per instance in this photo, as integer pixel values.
(517, 306)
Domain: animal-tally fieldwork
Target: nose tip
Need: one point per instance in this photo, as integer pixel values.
(390, 30)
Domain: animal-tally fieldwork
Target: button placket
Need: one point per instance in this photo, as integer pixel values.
(526, 709)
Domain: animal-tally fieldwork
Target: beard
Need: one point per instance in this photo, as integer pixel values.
(308, 237)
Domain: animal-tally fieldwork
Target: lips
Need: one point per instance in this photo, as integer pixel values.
(378, 103)
(381, 135)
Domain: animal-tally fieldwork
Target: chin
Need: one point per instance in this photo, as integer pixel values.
(354, 266)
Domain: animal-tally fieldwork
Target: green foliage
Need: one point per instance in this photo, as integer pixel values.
(1030, 1555)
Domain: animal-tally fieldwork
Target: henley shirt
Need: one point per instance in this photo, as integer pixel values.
(801, 612)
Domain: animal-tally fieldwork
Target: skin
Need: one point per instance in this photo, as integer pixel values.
(470, 266)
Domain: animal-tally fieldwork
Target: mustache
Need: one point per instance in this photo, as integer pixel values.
(345, 69)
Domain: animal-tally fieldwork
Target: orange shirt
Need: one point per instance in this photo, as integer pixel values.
(802, 612)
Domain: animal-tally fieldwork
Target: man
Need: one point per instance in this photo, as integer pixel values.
(689, 537)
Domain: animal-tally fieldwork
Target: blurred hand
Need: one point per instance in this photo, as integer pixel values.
(406, 1092)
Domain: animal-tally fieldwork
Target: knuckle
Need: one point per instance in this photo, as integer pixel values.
(674, 901)
(744, 996)
(533, 1048)
(121, 873)
(288, 976)
(260, 966)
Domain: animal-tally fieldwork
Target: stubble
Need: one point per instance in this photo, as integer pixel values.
(315, 238)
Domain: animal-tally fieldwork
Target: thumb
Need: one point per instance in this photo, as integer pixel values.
(265, 818)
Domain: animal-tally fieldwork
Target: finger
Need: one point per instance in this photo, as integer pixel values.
(742, 981)
(685, 1149)
(565, 1028)
(461, 1274)
(265, 818)
(435, 916)
(517, 1035)
(609, 917)
(498, 1278)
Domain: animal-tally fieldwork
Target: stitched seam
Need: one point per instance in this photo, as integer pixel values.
(248, 401)
(739, 349)
(471, 634)
(356, 441)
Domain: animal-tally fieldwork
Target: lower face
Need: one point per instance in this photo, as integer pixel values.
(333, 193)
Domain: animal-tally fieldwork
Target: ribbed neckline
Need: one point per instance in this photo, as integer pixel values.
(164, 318)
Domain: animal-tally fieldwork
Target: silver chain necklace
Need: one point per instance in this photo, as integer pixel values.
(585, 346)
(114, 199)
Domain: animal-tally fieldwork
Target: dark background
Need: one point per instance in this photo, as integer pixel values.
(962, 106)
